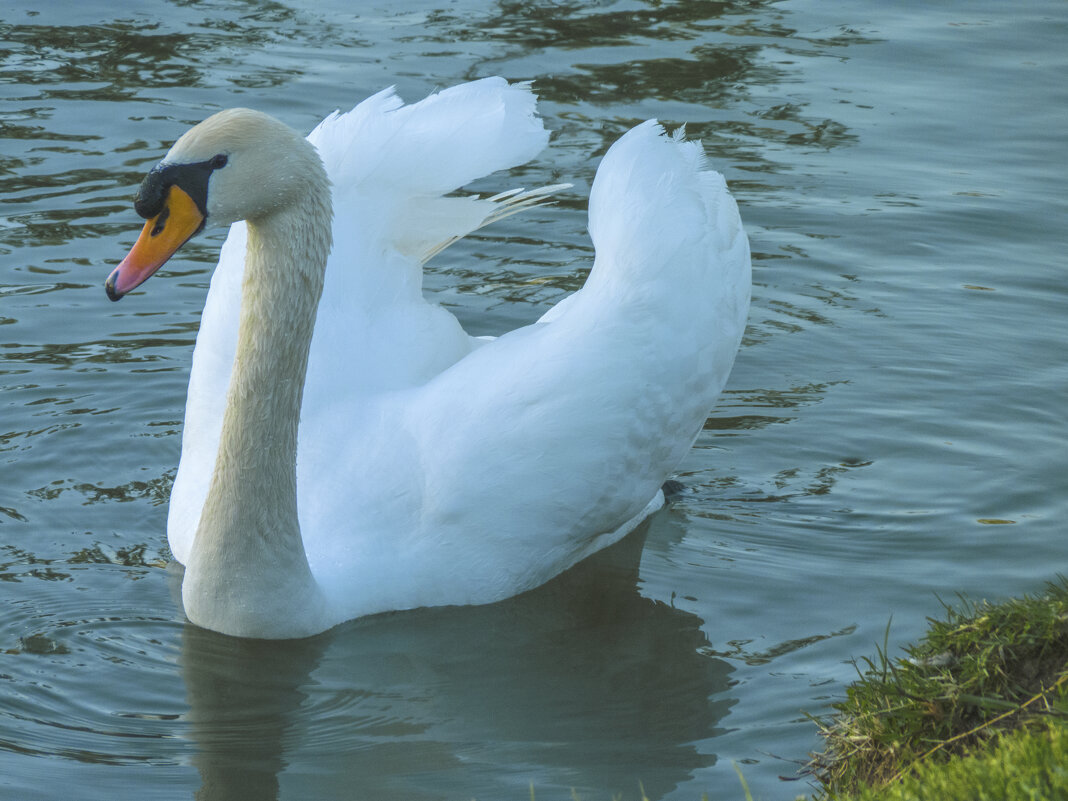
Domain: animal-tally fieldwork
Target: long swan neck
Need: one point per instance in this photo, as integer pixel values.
(283, 282)
(248, 556)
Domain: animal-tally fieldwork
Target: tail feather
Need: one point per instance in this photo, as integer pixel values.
(655, 193)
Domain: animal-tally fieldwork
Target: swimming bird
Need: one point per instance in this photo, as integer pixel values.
(348, 448)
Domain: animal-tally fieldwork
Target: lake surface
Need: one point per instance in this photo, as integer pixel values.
(893, 432)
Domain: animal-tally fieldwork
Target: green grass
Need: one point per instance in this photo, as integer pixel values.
(1024, 765)
(985, 669)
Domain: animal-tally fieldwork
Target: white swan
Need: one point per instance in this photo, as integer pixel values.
(348, 449)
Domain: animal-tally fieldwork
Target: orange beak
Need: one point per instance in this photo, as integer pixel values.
(160, 238)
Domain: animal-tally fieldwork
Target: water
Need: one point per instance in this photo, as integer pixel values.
(892, 434)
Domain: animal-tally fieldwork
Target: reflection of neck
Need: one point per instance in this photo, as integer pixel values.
(244, 697)
(248, 573)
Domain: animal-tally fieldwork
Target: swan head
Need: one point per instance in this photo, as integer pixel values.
(238, 164)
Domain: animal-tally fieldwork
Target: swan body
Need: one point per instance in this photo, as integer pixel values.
(348, 449)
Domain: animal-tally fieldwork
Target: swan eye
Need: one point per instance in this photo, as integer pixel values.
(219, 161)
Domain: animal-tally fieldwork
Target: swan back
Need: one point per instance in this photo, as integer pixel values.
(542, 446)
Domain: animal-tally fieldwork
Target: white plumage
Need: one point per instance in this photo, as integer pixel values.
(433, 468)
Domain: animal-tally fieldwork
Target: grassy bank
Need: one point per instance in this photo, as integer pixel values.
(1028, 764)
(989, 681)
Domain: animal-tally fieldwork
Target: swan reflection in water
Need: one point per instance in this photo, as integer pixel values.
(580, 684)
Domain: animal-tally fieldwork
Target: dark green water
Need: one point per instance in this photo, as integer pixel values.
(894, 430)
